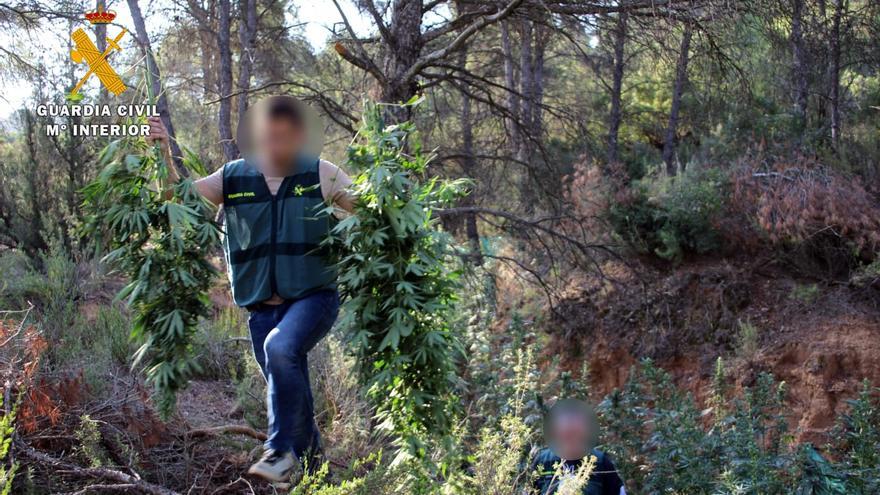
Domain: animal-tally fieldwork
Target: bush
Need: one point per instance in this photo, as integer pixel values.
(51, 283)
(92, 345)
(747, 339)
(218, 343)
(369, 476)
(344, 414)
(824, 222)
(250, 394)
(868, 275)
(94, 348)
(671, 217)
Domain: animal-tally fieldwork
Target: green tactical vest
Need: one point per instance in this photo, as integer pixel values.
(604, 479)
(272, 243)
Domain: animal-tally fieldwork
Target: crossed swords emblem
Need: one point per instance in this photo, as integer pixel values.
(87, 52)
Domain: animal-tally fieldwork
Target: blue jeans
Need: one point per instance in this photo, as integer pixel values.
(282, 337)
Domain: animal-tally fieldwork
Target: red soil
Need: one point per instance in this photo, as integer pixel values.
(822, 340)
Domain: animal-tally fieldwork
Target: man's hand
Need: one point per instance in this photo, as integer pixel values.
(212, 190)
(157, 132)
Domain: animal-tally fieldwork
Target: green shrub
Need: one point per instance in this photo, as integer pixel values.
(7, 430)
(344, 414)
(17, 286)
(747, 339)
(51, 283)
(805, 293)
(671, 217)
(370, 476)
(250, 393)
(96, 348)
(89, 438)
(218, 343)
(868, 275)
(111, 334)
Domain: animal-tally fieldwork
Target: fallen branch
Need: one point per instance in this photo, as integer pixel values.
(233, 483)
(27, 313)
(235, 429)
(95, 473)
(119, 488)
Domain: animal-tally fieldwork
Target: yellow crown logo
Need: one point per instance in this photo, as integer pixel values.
(101, 16)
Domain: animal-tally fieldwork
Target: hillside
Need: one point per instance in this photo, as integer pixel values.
(820, 339)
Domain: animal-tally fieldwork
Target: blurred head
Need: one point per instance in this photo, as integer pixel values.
(274, 131)
(571, 429)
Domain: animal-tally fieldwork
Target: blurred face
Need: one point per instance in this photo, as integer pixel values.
(277, 141)
(570, 435)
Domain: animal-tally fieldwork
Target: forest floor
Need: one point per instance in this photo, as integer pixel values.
(820, 339)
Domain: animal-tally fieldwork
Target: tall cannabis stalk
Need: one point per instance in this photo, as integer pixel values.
(160, 243)
(393, 264)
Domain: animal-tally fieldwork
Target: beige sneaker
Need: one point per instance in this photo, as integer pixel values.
(274, 466)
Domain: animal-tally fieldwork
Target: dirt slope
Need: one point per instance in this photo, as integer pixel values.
(821, 339)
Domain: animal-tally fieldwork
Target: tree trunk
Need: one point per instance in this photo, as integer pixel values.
(204, 17)
(224, 115)
(469, 167)
(247, 37)
(677, 90)
(616, 115)
(36, 242)
(799, 72)
(406, 46)
(209, 77)
(70, 151)
(541, 35)
(161, 100)
(532, 84)
(527, 85)
(101, 41)
(513, 99)
(839, 7)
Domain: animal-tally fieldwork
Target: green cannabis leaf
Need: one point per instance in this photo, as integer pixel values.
(393, 263)
(160, 244)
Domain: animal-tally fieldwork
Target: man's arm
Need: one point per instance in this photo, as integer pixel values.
(335, 186)
(210, 187)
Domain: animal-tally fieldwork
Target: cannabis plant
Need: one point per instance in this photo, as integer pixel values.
(663, 443)
(394, 266)
(858, 434)
(159, 240)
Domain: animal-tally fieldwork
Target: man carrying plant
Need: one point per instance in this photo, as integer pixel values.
(275, 201)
